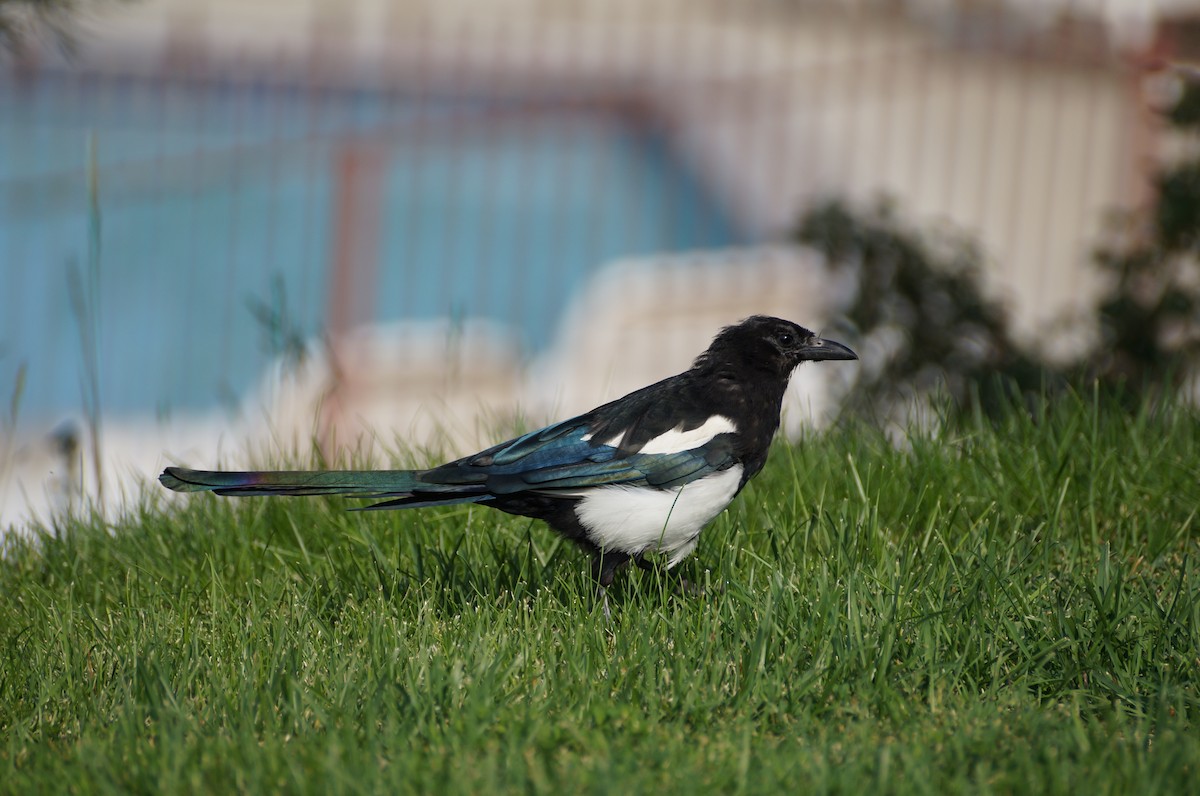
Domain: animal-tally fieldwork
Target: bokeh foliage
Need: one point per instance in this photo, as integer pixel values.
(928, 326)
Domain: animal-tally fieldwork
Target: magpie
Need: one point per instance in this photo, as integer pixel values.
(644, 473)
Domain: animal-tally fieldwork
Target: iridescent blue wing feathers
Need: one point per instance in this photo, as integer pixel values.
(559, 459)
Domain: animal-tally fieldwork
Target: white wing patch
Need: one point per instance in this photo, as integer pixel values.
(611, 442)
(636, 519)
(676, 440)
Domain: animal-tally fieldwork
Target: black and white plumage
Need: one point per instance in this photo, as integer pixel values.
(644, 473)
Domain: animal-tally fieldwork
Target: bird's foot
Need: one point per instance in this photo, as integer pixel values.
(602, 595)
(682, 586)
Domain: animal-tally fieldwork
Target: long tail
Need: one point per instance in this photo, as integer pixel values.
(400, 488)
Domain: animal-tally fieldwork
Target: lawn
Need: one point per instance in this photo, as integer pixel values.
(997, 607)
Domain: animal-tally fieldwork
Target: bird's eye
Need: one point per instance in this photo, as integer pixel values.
(786, 338)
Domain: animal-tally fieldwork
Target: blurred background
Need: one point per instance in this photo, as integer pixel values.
(241, 231)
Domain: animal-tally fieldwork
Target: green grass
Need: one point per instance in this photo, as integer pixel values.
(999, 609)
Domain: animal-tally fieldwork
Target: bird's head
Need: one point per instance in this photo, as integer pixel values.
(772, 345)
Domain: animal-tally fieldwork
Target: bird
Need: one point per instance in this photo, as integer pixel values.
(642, 474)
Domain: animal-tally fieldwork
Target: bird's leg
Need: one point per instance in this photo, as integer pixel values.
(604, 568)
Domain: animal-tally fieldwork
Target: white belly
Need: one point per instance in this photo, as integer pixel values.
(636, 519)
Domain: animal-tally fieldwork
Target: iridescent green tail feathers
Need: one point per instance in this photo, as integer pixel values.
(400, 488)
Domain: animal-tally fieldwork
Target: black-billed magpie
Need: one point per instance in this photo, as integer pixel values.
(640, 474)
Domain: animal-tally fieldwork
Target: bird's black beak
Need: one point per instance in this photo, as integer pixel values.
(817, 349)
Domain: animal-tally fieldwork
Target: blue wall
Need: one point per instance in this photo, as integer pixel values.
(212, 195)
